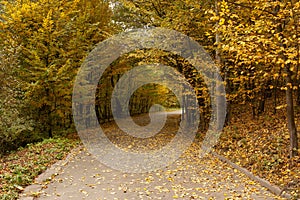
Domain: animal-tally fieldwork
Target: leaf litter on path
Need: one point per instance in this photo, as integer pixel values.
(189, 177)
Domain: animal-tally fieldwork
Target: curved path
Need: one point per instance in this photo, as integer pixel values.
(81, 176)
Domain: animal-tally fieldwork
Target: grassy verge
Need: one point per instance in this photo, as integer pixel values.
(19, 168)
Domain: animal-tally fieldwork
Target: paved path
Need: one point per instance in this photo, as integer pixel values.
(83, 177)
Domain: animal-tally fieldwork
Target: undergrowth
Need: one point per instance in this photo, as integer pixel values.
(261, 145)
(19, 168)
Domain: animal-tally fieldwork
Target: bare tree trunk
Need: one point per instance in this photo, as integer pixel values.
(289, 95)
(276, 91)
(218, 80)
(262, 102)
(290, 115)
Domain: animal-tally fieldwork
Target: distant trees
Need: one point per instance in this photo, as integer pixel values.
(143, 98)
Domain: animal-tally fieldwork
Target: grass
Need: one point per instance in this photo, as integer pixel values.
(19, 168)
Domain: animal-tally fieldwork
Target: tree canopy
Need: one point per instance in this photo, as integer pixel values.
(43, 43)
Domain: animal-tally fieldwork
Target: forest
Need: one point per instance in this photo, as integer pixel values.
(255, 45)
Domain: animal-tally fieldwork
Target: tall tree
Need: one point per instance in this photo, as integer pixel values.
(255, 43)
(52, 37)
(259, 42)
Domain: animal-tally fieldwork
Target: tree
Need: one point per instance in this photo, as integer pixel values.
(15, 127)
(52, 37)
(262, 51)
(255, 57)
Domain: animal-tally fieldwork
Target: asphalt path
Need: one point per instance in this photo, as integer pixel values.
(82, 176)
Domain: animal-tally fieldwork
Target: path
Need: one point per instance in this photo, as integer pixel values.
(189, 177)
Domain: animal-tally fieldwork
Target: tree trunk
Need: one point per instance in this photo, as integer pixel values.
(219, 63)
(49, 124)
(261, 105)
(276, 91)
(289, 95)
(290, 115)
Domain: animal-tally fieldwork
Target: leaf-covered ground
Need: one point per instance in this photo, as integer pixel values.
(261, 145)
(19, 169)
(190, 177)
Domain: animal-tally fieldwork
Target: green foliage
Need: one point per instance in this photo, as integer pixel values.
(15, 130)
(15, 127)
